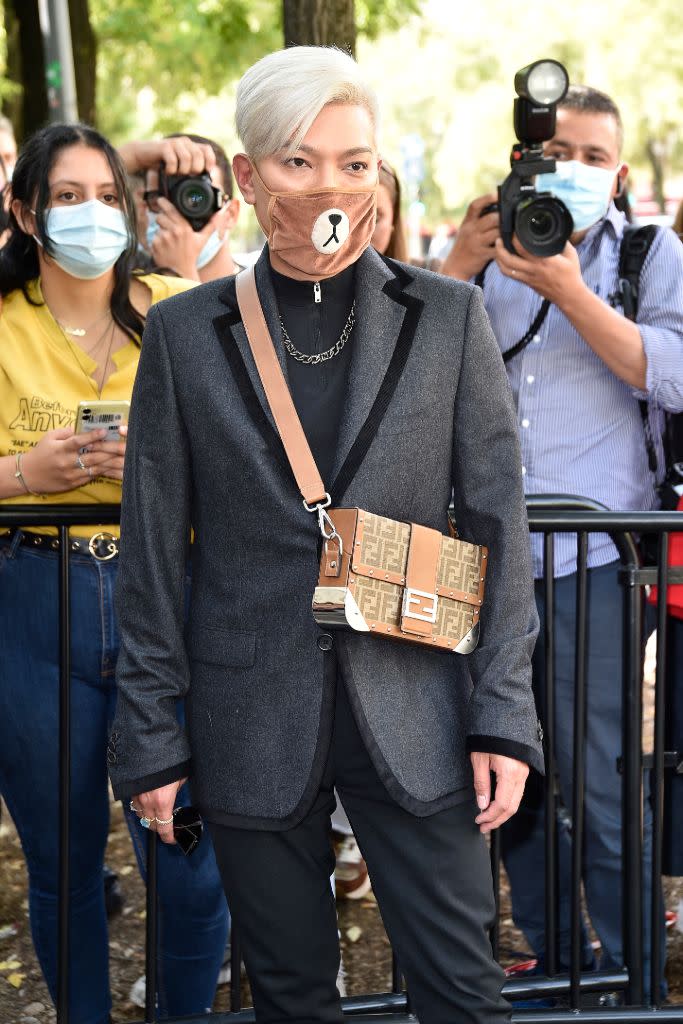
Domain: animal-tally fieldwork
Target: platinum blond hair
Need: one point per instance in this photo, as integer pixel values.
(280, 96)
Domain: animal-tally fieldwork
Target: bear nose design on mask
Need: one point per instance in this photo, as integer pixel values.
(334, 219)
(330, 231)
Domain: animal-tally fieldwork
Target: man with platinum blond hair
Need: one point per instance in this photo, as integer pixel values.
(402, 396)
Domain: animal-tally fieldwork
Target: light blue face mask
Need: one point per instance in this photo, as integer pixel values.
(586, 191)
(86, 239)
(211, 247)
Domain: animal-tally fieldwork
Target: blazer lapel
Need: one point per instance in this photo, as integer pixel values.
(230, 328)
(386, 320)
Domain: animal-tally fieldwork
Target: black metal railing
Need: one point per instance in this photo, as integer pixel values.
(548, 515)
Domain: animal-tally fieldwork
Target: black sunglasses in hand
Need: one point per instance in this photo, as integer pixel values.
(187, 828)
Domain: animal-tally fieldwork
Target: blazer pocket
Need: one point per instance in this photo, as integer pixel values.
(229, 647)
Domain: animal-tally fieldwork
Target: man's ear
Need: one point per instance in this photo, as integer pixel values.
(26, 221)
(620, 183)
(243, 172)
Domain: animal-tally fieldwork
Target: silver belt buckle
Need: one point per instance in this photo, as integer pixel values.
(111, 546)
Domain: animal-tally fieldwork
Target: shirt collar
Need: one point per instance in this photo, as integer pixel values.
(300, 293)
(614, 221)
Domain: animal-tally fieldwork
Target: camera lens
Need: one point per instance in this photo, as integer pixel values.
(195, 198)
(543, 224)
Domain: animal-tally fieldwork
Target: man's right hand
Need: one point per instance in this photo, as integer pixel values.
(475, 241)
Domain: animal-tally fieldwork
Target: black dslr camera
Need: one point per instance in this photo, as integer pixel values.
(192, 195)
(542, 223)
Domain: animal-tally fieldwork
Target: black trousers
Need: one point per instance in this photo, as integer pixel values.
(431, 877)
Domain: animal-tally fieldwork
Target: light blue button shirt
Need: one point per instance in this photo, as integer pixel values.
(580, 426)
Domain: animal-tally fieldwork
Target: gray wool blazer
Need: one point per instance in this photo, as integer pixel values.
(428, 414)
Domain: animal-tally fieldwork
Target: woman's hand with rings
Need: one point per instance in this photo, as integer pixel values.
(155, 809)
(56, 463)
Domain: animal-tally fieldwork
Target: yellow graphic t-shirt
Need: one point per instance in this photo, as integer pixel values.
(41, 384)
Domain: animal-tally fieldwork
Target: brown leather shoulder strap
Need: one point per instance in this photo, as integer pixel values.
(275, 386)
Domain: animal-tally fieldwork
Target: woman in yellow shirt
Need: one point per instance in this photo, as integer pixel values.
(70, 326)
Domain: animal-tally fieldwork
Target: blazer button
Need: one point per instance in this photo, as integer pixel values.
(325, 642)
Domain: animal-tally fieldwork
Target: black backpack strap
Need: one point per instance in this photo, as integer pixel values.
(479, 279)
(635, 245)
(533, 329)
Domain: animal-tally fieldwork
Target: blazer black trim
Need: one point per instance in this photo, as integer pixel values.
(133, 787)
(414, 306)
(499, 745)
(395, 289)
(223, 326)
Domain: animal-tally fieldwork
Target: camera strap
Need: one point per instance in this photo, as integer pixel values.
(635, 246)
(534, 328)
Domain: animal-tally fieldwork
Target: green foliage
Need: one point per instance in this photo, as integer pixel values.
(376, 16)
(178, 48)
(174, 48)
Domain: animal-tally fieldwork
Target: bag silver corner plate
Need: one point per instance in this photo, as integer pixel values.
(469, 641)
(336, 606)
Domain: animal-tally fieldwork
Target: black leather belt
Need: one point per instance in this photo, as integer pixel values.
(102, 546)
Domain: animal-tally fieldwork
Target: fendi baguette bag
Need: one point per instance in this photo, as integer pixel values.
(377, 576)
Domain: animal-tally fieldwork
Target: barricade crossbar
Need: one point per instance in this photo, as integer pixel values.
(548, 515)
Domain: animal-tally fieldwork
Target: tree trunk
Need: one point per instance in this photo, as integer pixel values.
(84, 46)
(320, 23)
(27, 110)
(657, 152)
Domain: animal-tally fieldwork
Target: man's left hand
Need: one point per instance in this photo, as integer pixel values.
(556, 278)
(511, 776)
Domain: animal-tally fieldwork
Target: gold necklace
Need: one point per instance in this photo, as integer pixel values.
(80, 332)
(110, 327)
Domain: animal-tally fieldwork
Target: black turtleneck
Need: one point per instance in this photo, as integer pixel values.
(318, 391)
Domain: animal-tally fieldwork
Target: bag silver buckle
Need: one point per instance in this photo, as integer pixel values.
(415, 597)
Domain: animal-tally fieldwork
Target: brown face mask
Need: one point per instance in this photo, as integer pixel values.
(314, 235)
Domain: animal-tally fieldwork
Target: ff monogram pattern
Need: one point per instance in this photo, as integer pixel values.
(384, 547)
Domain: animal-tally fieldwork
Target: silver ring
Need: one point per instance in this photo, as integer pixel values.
(89, 470)
(81, 464)
(160, 821)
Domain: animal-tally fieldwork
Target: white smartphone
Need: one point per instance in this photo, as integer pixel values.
(101, 414)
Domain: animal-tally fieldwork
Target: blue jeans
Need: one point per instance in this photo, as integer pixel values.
(193, 917)
(522, 838)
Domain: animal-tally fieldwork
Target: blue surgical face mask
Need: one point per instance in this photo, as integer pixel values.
(86, 239)
(152, 228)
(586, 191)
(211, 247)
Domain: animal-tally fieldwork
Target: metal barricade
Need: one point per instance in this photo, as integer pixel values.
(548, 515)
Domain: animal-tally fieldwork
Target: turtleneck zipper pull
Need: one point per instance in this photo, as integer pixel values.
(317, 293)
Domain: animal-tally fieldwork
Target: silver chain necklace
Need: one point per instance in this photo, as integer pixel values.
(320, 357)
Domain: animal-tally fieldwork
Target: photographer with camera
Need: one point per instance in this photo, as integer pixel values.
(188, 209)
(590, 383)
